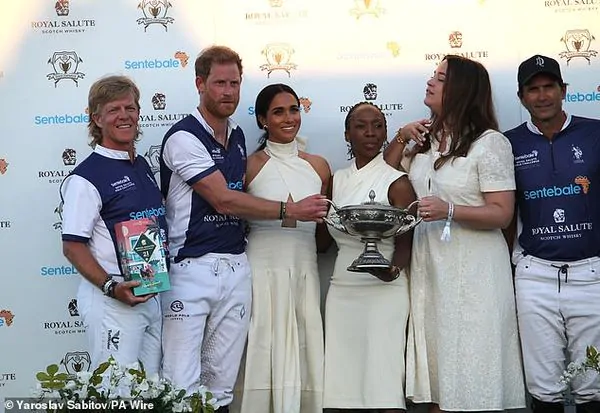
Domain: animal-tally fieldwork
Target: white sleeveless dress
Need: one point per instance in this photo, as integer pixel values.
(365, 318)
(284, 358)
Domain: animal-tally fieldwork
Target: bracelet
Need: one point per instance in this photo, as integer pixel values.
(446, 232)
(282, 210)
(398, 137)
(108, 287)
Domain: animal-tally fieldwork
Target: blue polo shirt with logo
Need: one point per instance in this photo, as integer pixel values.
(190, 153)
(105, 189)
(558, 197)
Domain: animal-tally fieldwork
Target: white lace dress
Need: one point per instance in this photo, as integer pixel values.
(463, 346)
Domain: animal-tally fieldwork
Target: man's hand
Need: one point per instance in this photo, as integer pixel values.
(311, 208)
(124, 293)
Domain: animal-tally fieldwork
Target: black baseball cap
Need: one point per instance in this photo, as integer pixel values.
(535, 65)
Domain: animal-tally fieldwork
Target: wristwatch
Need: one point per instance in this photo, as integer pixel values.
(108, 287)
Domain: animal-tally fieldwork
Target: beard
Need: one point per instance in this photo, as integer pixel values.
(220, 110)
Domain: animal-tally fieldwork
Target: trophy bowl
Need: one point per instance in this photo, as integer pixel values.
(372, 221)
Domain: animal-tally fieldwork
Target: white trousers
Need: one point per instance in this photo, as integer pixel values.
(206, 320)
(129, 334)
(558, 306)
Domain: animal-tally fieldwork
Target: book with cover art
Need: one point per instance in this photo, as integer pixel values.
(142, 250)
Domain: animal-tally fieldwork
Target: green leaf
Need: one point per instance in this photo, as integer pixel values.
(52, 369)
(102, 368)
(62, 376)
(96, 380)
(42, 376)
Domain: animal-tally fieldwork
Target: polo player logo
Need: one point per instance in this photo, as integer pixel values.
(275, 3)
(62, 8)
(279, 56)
(155, 12)
(65, 65)
(366, 7)
(77, 362)
(578, 43)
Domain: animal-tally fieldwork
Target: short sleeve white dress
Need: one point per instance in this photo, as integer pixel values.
(463, 347)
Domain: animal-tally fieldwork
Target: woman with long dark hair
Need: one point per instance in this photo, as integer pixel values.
(463, 349)
(284, 358)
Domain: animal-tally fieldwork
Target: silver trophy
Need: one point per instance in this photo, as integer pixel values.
(372, 221)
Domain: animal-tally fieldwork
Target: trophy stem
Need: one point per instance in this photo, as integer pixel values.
(370, 258)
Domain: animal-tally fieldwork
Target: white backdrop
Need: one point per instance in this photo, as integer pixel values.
(51, 52)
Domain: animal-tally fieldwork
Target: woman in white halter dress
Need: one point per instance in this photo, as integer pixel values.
(365, 317)
(283, 370)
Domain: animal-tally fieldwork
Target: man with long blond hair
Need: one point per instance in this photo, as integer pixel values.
(110, 186)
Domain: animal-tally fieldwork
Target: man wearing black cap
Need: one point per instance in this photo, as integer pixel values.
(557, 275)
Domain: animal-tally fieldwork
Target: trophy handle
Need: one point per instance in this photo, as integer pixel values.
(412, 221)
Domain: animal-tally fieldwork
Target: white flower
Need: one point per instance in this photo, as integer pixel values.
(84, 377)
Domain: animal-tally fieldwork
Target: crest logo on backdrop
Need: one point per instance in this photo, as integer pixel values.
(366, 7)
(578, 43)
(371, 93)
(77, 362)
(152, 155)
(155, 12)
(62, 7)
(159, 101)
(456, 41)
(62, 25)
(279, 57)
(66, 67)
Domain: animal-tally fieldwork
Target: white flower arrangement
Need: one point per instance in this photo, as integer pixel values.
(576, 368)
(113, 387)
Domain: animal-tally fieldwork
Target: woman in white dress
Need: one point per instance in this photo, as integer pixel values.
(463, 348)
(366, 314)
(284, 357)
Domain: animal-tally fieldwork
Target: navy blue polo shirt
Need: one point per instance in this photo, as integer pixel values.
(189, 153)
(557, 189)
(105, 189)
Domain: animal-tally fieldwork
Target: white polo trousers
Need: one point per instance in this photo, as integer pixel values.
(558, 305)
(127, 333)
(206, 320)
